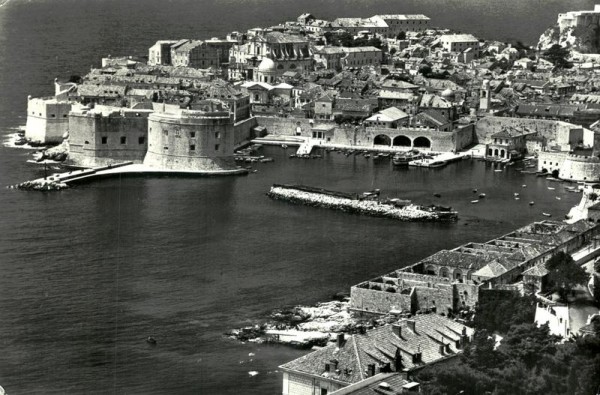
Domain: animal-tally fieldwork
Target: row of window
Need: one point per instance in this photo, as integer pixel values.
(193, 147)
(192, 134)
(51, 115)
(122, 139)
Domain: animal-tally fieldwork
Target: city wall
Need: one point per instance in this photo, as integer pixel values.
(378, 301)
(104, 136)
(47, 120)
(556, 132)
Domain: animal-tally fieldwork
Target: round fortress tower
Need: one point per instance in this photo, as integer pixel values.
(199, 139)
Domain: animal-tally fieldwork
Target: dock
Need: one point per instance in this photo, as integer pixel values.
(58, 181)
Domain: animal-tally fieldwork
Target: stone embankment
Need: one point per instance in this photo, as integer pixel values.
(337, 201)
(307, 326)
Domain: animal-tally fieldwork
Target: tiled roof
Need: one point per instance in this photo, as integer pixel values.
(536, 271)
(380, 346)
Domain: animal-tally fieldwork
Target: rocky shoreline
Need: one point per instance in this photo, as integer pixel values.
(307, 326)
(408, 212)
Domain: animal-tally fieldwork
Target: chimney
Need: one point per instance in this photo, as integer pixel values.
(442, 347)
(397, 329)
(412, 325)
(371, 370)
(447, 347)
(340, 340)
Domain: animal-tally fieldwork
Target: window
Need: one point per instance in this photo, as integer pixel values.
(87, 142)
(217, 135)
(165, 147)
(64, 115)
(192, 147)
(104, 140)
(141, 140)
(216, 147)
(53, 115)
(192, 134)
(123, 140)
(166, 132)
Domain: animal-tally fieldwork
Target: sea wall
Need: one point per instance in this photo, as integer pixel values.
(243, 131)
(286, 126)
(570, 167)
(47, 120)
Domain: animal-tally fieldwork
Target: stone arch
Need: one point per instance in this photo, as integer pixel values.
(382, 139)
(402, 141)
(422, 142)
(490, 152)
(292, 66)
(502, 153)
(444, 272)
(430, 269)
(458, 274)
(496, 152)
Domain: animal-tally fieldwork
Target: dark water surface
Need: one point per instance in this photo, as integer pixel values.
(88, 273)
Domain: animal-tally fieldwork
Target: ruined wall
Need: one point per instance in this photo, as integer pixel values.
(439, 297)
(465, 295)
(102, 138)
(556, 132)
(47, 120)
(378, 301)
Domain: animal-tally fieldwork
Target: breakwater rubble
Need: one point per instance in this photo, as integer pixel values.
(40, 185)
(368, 203)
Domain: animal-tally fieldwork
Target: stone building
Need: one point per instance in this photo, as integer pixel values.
(508, 143)
(361, 56)
(47, 119)
(460, 43)
(402, 348)
(201, 54)
(452, 279)
(160, 53)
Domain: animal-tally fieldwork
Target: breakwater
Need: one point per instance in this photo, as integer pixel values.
(353, 203)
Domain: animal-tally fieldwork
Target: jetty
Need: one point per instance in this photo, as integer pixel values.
(59, 181)
(367, 203)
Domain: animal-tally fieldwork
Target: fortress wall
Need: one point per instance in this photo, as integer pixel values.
(242, 131)
(556, 132)
(47, 120)
(578, 168)
(97, 139)
(186, 142)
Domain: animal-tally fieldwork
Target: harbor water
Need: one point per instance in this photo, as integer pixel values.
(88, 273)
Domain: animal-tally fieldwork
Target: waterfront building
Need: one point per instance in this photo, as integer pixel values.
(201, 54)
(451, 280)
(404, 23)
(402, 348)
(508, 143)
(391, 117)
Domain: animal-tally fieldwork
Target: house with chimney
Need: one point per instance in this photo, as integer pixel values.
(402, 348)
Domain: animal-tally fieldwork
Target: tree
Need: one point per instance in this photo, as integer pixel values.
(401, 35)
(393, 51)
(564, 274)
(558, 56)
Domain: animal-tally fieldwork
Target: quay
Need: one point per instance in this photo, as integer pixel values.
(392, 208)
(58, 181)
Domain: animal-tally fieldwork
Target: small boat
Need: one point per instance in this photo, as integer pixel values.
(474, 190)
(474, 201)
(437, 195)
(367, 156)
(547, 215)
(284, 146)
(498, 170)
(557, 198)
(292, 155)
(517, 198)
(516, 194)
(523, 186)
(531, 203)
(151, 340)
(551, 188)
(481, 195)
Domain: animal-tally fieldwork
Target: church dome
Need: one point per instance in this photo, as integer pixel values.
(266, 65)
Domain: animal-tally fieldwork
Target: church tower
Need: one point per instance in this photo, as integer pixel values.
(485, 96)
